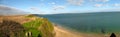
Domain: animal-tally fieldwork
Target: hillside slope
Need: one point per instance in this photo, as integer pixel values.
(25, 26)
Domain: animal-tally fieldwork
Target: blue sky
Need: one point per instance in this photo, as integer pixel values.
(63, 6)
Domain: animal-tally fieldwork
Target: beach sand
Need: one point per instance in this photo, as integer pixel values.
(62, 32)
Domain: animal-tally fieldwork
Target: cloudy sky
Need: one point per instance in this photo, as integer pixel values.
(62, 6)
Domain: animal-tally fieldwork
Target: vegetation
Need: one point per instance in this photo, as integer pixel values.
(11, 29)
(39, 27)
(34, 27)
(31, 15)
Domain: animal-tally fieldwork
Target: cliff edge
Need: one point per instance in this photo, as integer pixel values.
(25, 26)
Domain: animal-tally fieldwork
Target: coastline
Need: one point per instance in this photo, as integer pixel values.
(63, 32)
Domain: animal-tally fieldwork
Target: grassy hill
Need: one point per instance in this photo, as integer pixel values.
(25, 26)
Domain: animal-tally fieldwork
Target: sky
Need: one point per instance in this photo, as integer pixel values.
(62, 6)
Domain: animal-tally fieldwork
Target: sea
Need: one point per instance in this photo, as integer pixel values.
(96, 22)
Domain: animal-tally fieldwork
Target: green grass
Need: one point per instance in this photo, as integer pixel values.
(32, 26)
(34, 31)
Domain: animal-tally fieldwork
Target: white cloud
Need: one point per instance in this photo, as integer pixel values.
(35, 9)
(106, 0)
(117, 5)
(58, 7)
(100, 0)
(42, 4)
(52, 3)
(75, 2)
(7, 10)
(99, 5)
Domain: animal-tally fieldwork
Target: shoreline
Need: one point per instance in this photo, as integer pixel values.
(63, 32)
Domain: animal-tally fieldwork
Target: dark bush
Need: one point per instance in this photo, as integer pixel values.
(10, 28)
(113, 35)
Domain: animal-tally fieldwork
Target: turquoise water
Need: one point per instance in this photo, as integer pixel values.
(101, 22)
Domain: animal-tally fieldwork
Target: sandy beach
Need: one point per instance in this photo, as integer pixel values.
(62, 32)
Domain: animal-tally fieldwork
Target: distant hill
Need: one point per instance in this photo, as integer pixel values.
(5, 10)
